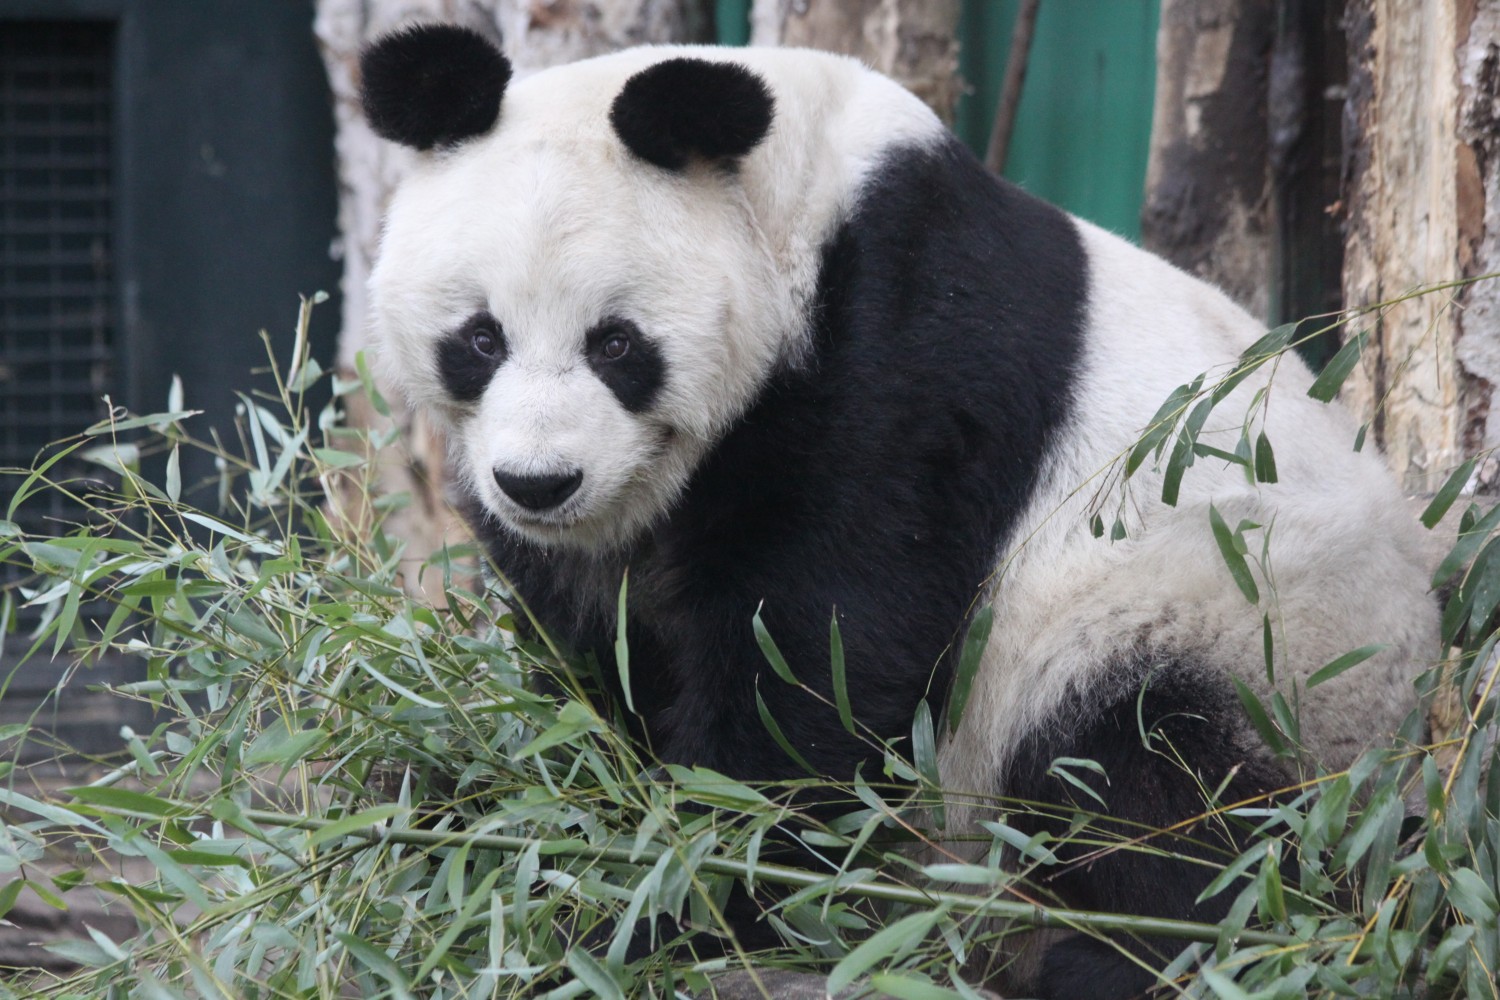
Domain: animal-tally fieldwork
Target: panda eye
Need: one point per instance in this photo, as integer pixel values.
(484, 342)
(615, 346)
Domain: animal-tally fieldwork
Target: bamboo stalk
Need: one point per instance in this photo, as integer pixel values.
(1010, 87)
(1025, 914)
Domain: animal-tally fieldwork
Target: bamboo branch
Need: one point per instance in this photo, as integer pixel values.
(1025, 914)
(1010, 88)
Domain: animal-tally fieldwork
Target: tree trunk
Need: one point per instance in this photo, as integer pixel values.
(910, 40)
(1422, 191)
(1208, 177)
(536, 34)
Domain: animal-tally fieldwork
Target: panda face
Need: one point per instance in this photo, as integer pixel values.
(592, 273)
(587, 323)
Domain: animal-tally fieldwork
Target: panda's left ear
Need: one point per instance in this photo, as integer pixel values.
(432, 85)
(680, 108)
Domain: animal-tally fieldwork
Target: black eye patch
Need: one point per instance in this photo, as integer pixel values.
(468, 356)
(627, 361)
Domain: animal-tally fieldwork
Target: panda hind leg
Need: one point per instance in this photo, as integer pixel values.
(1168, 735)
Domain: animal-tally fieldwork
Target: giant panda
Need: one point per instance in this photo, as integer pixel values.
(753, 326)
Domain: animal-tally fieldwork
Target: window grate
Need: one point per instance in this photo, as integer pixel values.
(57, 336)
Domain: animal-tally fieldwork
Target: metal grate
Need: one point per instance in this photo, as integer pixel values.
(56, 277)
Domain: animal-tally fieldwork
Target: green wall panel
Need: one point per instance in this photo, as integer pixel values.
(732, 21)
(1085, 120)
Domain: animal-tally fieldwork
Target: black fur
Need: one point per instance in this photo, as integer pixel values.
(432, 85)
(680, 108)
(635, 378)
(1158, 716)
(879, 479)
(466, 371)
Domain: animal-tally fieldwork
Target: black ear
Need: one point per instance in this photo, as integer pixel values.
(684, 107)
(432, 85)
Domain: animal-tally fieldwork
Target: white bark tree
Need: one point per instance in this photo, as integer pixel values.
(912, 41)
(1419, 198)
(1208, 177)
(1422, 155)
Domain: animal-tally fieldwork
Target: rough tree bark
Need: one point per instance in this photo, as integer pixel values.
(910, 40)
(1208, 177)
(536, 34)
(1422, 192)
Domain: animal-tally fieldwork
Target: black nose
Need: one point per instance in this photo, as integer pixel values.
(539, 492)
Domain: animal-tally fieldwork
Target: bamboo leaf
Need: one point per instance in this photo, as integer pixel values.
(1060, 768)
(1161, 424)
(367, 382)
(1033, 846)
(593, 975)
(976, 640)
(572, 722)
(9, 894)
(769, 651)
(1472, 896)
(1353, 658)
(278, 743)
(964, 874)
(1447, 493)
(1265, 460)
(622, 646)
(85, 953)
(886, 945)
(836, 668)
(1229, 873)
(1272, 736)
(907, 987)
(1339, 368)
(128, 802)
(35, 476)
(1268, 648)
(174, 476)
(378, 962)
(1273, 343)
(769, 722)
(1177, 465)
(1273, 894)
(110, 426)
(1233, 556)
(924, 744)
(66, 618)
(345, 825)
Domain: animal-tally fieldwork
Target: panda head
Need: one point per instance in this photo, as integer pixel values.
(592, 272)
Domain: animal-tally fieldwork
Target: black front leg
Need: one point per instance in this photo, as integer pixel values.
(723, 678)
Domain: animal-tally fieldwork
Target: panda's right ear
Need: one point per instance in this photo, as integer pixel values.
(432, 85)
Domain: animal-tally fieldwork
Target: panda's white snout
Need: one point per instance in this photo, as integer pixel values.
(539, 493)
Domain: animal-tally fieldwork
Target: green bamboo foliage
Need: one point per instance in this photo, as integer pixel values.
(344, 791)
